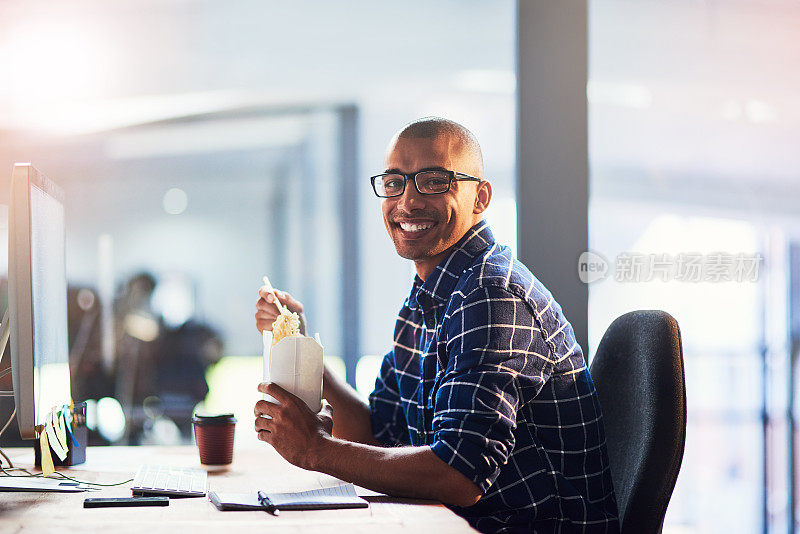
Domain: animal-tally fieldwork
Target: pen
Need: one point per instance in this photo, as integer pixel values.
(267, 504)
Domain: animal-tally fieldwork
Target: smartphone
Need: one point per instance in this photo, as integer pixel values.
(125, 501)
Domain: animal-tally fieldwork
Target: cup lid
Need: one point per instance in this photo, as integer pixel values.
(208, 419)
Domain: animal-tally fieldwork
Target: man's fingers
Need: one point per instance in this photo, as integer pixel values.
(267, 300)
(264, 435)
(265, 319)
(263, 407)
(265, 294)
(290, 302)
(265, 316)
(280, 394)
(263, 305)
(262, 423)
(262, 325)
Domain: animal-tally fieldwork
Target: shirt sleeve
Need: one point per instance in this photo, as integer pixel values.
(495, 350)
(386, 410)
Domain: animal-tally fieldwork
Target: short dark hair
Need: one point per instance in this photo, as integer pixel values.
(433, 127)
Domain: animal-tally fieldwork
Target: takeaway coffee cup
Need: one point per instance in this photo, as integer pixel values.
(214, 437)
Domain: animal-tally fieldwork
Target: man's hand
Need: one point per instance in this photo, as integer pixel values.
(267, 311)
(297, 433)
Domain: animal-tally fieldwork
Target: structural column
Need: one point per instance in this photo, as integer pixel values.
(552, 155)
(351, 320)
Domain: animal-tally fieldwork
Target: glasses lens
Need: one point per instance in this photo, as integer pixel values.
(389, 185)
(433, 182)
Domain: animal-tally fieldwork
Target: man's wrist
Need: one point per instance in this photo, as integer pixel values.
(321, 452)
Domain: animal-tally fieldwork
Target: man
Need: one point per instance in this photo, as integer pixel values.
(485, 402)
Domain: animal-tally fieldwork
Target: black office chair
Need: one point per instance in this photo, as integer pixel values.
(638, 373)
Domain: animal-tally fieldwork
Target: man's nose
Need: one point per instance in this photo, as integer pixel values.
(410, 199)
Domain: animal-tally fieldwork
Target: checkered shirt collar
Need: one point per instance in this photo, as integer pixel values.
(440, 284)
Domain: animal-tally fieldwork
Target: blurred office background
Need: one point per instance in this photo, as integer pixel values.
(205, 144)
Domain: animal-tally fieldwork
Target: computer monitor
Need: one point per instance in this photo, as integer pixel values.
(37, 297)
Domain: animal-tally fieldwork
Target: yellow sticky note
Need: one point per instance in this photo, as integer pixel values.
(47, 460)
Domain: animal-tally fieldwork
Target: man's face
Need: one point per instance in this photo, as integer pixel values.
(423, 227)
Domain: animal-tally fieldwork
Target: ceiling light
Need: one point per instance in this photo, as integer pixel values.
(175, 201)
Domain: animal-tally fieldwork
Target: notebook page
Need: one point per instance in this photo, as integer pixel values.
(344, 493)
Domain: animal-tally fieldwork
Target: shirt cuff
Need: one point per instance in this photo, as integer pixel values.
(469, 459)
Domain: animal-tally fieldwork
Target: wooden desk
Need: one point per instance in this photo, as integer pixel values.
(252, 469)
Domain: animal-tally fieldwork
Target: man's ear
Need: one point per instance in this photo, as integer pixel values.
(483, 198)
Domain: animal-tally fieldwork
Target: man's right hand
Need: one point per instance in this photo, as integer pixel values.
(267, 311)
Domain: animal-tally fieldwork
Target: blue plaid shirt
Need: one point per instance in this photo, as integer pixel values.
(485, 370)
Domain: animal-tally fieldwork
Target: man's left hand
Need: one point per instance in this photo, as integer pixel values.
(297, 433)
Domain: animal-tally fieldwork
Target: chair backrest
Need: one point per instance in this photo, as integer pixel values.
(639, 377)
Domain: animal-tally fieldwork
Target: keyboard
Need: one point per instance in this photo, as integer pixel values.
(169, 480)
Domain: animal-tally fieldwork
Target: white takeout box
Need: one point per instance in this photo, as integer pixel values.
(295, 364)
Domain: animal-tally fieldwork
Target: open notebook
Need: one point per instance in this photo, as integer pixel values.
(343, 496)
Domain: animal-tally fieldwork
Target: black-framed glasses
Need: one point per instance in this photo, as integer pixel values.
(434, 182)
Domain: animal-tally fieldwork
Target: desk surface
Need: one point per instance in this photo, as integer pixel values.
(252, 469)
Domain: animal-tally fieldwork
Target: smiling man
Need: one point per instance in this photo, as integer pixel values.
(485, 402)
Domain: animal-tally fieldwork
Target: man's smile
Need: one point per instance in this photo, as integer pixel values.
(414, 228)
(411, 227)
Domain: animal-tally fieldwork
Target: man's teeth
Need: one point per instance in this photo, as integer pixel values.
(408, 227)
